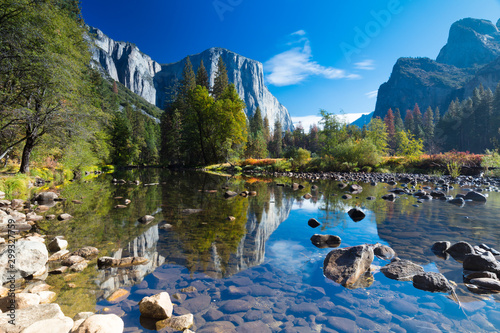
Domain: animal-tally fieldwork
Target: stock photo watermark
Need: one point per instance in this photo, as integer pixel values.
(11, 271)
(373, 28)
(223, 6)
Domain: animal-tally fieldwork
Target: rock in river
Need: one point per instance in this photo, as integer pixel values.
(323, 241)
(345, 266)
(313, 223)
(158, 306)
(356, 214)
(459, 250)
(431, 281)
(482, 262)
(109, 323)
(31, 257)
(475, 196)
(402, 270)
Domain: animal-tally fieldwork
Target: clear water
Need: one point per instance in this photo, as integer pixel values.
(260, 272)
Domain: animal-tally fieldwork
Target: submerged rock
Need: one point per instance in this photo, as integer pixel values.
(383, 252)
(389, 197)
(431, 281)
(324, 241)
(440, 247)
(179, 323)
(104, 262)
(487, 283)
(402, 270)
(346, 266)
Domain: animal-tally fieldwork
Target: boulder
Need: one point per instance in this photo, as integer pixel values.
(457, 201)
(482, 262)
(313, 223)
(475, 196)
(158, 306)
(440, 247)
(383, 252)
(146, 219)
(104, 262)
(31, 257)
(355, 189)
(100, 323)
(402, 270)
(356, 214)
(29, 316)
(46, 196)
(487, 283)
(87, 252)
(179, 323)
(57, 244)
(389, 197)
(57, 325)
(22, 301)
(71, 260)
(459, 250)
(59, 255)
(64, 217)
(230, 194)
(324, 241)
(346, 266)
(431, 281)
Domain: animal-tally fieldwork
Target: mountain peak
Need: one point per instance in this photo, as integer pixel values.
(471, 42)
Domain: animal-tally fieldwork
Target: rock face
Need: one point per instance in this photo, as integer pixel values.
(124, 63)
(346, 266)
(470, 58)
(471, 42)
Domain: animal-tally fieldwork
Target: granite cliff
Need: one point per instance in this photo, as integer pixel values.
(470, 58)
(125, 63)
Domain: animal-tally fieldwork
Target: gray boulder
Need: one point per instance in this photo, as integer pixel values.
(431, 281)
(482, 262)
(46, 197)
(346, 266)
(402, 270)
(57, 244)
(475, 196)
(487, 283)
(31, 257)
(459, 250)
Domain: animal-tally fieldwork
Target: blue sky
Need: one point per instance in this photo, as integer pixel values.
(321, 54)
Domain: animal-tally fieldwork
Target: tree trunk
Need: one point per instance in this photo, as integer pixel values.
(25, 162)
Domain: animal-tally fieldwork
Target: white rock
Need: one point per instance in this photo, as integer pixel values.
(31, 257)
(54, 325)
(158, 306)
(100, 323)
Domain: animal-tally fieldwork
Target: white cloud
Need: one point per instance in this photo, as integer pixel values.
(367, 65)
(299, 33)
(296, 65)
(372, 94)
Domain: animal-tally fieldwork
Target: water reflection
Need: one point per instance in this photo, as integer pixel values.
(264, 259)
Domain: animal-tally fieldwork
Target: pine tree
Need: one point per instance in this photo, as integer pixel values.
(256, 122)
(202, 76)
(418, 122)
(428, 122)
(437, 115)
(398, 122)
(221, 80)
(391, 128)
(188, 81)
(115, 87)
(267, 130)
(409, 122)
(277, 141)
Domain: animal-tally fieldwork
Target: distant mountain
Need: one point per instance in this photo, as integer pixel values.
(125, 63)
(470, 57)
(363, 120)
